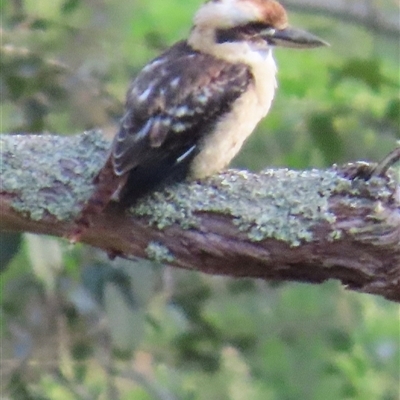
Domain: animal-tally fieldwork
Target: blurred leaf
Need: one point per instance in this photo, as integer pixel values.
(325, 136)
(80, 372)
(45, 256)
(41, 24)
(349, 391)
(294, 86)
(367, 71)
(156, 41)
(18, 292)
(237, 286)
(236, 374)
(70, 6)
(19, 389)
(191, 300)
(35, 111)
(81, 351)
(198, 349)
(10, 244)
(393, 113)
(126, 325)
(96, 277)
(340, 340)
(72, 315)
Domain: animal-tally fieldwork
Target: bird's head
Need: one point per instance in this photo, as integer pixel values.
(259, 23)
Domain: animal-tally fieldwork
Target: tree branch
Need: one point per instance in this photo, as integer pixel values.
(307, 226)
(362, 12)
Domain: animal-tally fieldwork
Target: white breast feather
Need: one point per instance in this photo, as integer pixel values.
(233, 128)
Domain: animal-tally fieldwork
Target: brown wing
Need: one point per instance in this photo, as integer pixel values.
(169, 102)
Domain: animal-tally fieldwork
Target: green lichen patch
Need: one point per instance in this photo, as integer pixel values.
(52, 176)
(48, 174)
(280, 204)
(369, 196)
(159, 253)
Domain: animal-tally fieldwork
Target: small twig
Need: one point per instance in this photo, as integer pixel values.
(383, 167)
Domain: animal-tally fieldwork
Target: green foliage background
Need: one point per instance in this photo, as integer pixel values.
(77, 326)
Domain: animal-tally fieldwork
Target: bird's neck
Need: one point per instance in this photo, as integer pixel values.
(259, 59)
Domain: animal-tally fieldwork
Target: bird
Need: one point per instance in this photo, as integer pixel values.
(189, 111)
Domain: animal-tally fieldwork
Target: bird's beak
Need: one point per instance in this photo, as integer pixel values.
(292, 37)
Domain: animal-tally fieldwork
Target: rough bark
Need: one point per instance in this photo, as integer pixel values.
(307, 226)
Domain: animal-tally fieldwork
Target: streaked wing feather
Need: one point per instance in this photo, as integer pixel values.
(174, 95)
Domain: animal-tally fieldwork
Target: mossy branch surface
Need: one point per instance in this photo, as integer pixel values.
(306, 226)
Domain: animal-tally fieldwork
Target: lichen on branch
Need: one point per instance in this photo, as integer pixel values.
(280, 224)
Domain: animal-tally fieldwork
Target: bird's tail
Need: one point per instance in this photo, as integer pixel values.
(106, 184)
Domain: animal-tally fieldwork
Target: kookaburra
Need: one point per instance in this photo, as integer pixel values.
(189, 111)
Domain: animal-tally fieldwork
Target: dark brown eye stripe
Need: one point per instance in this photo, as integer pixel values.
(240, 33)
